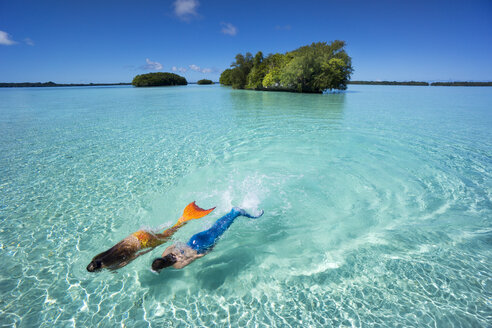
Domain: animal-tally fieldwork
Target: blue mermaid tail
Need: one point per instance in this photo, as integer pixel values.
(205, 240)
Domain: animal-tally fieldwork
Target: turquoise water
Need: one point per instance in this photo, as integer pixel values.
(378, 205)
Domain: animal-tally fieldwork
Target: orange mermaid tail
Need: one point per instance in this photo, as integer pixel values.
(148, 239)
(191, 212)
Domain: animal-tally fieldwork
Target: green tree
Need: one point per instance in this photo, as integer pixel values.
(275, 64)
(226, 77)
(257, 73)
(313, 68)
(158, 79)
(318, 67)
(240, 70)
(204, 81)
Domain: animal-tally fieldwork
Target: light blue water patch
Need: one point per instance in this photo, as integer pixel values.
(378, 205)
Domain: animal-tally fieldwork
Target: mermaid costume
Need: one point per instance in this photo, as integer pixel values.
(205, 240)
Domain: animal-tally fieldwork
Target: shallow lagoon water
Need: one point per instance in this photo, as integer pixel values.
(378, 205)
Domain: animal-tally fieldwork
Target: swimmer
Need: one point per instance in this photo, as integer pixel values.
(131, 247)
(198, 245)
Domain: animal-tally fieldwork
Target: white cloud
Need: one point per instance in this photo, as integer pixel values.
(151, 65)
(228, 28)
(5, 39)
(179, 69)
(29, 42)
(185, 9)
(195, 68)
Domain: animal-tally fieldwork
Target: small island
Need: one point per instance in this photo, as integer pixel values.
(310, 69)
(204, 81)
(158, 79)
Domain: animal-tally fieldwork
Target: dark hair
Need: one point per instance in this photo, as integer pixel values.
(95, 265)
(163, 262)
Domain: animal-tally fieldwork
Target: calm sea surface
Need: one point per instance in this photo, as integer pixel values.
(378, 205)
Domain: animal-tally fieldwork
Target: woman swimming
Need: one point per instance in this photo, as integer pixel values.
(131, 247)
(198, 245)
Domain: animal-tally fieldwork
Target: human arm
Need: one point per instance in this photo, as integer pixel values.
(186, 257)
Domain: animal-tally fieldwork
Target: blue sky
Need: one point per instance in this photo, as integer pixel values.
(113, 40)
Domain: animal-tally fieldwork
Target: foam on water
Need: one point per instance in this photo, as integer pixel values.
(378, 206)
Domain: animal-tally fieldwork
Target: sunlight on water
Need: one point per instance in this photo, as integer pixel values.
(378, 205)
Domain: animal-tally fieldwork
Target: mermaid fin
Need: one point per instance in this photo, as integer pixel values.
(255, 216)
(192, 211)
(244, 213)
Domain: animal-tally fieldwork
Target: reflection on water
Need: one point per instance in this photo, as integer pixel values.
(286, 104)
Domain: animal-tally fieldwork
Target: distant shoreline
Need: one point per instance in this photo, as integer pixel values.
(412, 83)
(421, 83)
(53, 84)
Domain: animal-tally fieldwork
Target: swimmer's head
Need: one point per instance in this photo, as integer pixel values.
(94, 266)
(114, 258)
(163, 262)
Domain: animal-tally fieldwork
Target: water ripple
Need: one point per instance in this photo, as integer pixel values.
(378, 206)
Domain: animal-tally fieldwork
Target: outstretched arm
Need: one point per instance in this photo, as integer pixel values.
(189, 256)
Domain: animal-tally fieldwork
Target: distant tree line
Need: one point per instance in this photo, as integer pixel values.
(158, 79)
(463, 84)
(204, 81)
(389, 83)
(313, 69)
(53, 84)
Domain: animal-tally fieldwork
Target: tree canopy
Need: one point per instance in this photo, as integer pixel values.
(204, 81)
(313, 68)
(158, 79)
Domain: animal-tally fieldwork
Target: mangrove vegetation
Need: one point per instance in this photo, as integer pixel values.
(204, 81)
(313, 68)
(158, 79)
